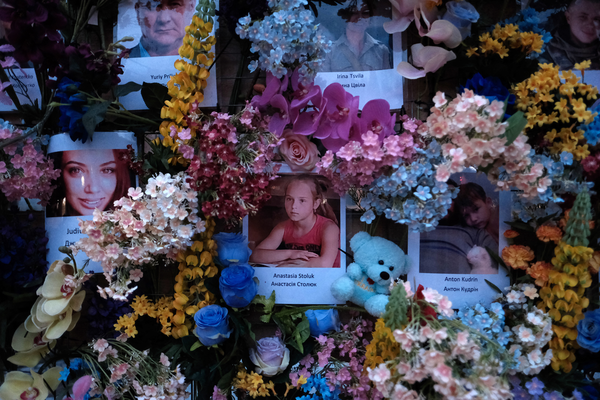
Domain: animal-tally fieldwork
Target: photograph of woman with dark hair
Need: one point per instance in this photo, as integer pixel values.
(90, 179)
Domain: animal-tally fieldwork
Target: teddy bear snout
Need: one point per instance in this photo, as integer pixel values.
(384, 275)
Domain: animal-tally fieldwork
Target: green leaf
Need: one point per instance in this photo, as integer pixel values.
(516, 124)
(301, 333)
(195, 346)
(225, 381)
(547, 218)
(94, 115)
(268, 304)
(496, 257)
(496, 288)
(124, 90)
(249, 327)
(520, 225)
(154, 95)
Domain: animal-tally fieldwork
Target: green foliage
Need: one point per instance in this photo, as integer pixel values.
(129, 87)
(154, 95)
(93, 116)
(268, 304)
(516, 124)
(396, 308)
(578, 227)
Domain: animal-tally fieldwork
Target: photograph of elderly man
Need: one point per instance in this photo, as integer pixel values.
(163, 26)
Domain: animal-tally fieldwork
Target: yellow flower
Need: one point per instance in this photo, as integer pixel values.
(472, 51)
(517, 256)
(140, 305)
(583, 65)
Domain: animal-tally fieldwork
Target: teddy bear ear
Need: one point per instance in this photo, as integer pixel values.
(358, 240)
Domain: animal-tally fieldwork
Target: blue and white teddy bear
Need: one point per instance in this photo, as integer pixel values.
(377, 262)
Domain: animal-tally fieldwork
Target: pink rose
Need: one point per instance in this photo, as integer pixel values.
(300, 153)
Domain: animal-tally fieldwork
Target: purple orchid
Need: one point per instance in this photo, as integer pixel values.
(339, 115)
(308, 122)
(274, 86)
(376, 118)
(280, 119)
(302, 95)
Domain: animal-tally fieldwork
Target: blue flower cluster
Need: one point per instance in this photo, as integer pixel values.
(103, 314)
(489, 322)
(490, 87)
(75, 365)
(286, 38)
(410, 194)
(317, 388)
(562, 182)
(535, 389)
(22, 252)
(591, 132)
(73, 109)
(530, 20)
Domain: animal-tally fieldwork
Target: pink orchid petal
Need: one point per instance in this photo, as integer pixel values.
(81, 387)
(397, 25)
(377, 110)
(420, 28)
(333, 143)
(430, 58)
(444, 32)
(272, 88)
(422, 54)
(307, 123)
(409, 72)
(439, 60)
(324, 130)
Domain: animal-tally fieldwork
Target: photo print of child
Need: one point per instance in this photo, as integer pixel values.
(575, 31)
(299, 226)
(458, 245)
(90, 179)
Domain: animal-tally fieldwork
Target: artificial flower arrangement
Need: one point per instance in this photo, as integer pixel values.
(214, 330)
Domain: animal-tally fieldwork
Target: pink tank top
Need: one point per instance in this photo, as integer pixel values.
(309, 242)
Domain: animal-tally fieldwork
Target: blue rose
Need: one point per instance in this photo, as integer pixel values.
(588, 331)
(461, 14)
(232, 248)
(212, 325)
(491, 87)
(323, 321)
(237, 285)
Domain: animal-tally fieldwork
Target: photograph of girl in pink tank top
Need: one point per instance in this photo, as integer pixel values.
(310, 237)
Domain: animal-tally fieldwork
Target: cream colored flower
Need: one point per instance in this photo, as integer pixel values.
(30, 347)
(19, 385)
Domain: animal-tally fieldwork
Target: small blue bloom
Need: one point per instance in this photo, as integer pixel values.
(64, 375)
(566, 158)
(535, 386)
(76, 364)
(368, 217)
